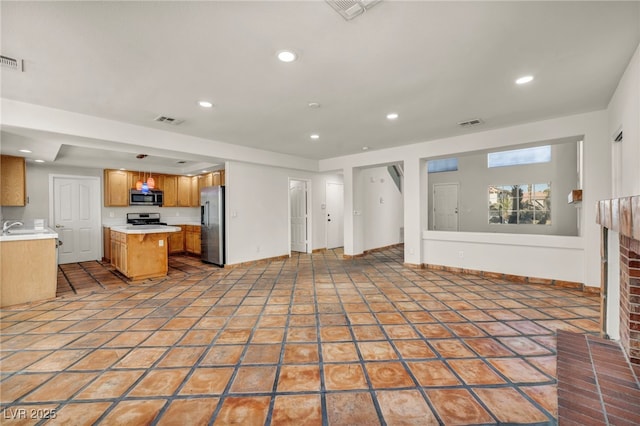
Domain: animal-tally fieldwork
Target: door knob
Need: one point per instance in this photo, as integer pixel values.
(59, 226)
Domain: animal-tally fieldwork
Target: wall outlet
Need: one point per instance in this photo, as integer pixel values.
(411, 251)
(461, 254)
(160, 243)
(257, 249)
(177, 213)
(112, 214)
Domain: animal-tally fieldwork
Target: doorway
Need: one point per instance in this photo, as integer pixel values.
(335, 215)
(299, 215)
(74, 213)
(445, 207)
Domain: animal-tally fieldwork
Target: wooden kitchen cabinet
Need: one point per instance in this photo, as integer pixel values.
(170, 190)
(176, 241)
(106, 244)
(28, 271)
(140, 256)
(195, 191)
(116, 188)
(13, 187)
(184, 191)
(192, 239)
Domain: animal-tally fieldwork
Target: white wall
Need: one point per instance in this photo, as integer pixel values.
(624, 113)
(38, 194)
(383, 209)
(474, 179)
(257, 210)
(37, 182)
(596, 186)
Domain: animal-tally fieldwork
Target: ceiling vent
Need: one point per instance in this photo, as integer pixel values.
(349, 9)
(471, 123)
(168, 120)
(11, 63)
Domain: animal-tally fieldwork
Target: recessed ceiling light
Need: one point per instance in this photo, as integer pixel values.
(122, 169)
(287, 56)
(524, 80)
(205, 104)
(26, 151)
(39, 161)
(205, 171)
(314, 105)
(392, 115)
(315, 136)
(364, 148)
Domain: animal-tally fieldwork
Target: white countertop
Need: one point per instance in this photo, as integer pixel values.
(23, 234)
(145, 229)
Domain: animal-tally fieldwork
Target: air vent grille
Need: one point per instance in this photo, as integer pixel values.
(168, 120)
(471, 123)
(11, 63)
(349, 9)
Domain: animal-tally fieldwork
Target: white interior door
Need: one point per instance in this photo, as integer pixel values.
(335, 215)
(298, 202)
(445, 207)
(76, 217)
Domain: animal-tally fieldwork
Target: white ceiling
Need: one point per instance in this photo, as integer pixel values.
(434, 63)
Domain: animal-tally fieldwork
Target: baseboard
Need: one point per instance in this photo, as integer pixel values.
(516, 278)
(257, 262)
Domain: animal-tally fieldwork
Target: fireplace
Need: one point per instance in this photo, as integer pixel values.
(622, 216)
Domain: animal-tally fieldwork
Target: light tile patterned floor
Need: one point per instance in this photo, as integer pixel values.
(311, 340)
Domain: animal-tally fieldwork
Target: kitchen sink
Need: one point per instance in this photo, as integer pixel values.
(25, 231)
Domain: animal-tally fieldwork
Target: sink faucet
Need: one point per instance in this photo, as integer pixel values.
(9, 224)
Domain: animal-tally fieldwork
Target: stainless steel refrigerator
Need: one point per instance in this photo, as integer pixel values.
(212, 224)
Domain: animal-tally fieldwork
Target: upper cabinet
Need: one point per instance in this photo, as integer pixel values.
(178, 191)
(184, 191)
(116, 188)
(169, 186)
(13, 187)
(195, 191)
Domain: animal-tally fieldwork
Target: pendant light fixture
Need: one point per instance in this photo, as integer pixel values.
(151, 183)
(145, 187)
(139, 182)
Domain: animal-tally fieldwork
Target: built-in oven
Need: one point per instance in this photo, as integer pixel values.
(148, 198)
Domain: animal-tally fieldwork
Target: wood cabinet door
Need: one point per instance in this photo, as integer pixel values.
(189, 243)
(197, 247)
(13, 181)
(170, 190)
(216, 178)
(195, 191)
(222, 181)
(116, 188)
(176, 242)
(184, 191)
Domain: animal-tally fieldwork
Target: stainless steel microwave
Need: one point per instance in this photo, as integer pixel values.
(149, 198)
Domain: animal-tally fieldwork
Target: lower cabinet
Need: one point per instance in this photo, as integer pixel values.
(139, 256)
(176, 241)
(192, 239)
(185, 241)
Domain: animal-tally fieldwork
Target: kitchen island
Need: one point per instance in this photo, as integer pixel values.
(140, 251)
(29, 265)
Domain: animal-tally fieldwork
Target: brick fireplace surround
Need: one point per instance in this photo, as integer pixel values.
(622, 215)
(597, 378)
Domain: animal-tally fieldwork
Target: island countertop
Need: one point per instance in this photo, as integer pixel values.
(145, 229)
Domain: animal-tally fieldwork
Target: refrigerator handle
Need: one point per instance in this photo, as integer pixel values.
(208, 213)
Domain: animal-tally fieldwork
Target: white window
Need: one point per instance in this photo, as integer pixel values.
(516, 157)
(442, 165)
(520, 204)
